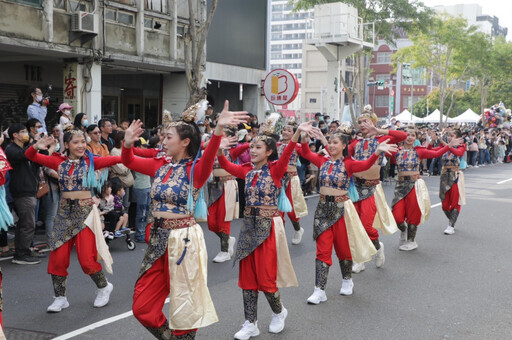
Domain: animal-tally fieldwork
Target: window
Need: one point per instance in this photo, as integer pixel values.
(384, 57)
(276, 47)
(60, 4)
(77, 6)
(381, 101)
(155, 24)
(383, 76)
(126, 2)
(156, 5)
(121, 17)
(35, 3)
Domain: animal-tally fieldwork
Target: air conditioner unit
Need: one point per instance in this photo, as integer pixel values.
(84, 22)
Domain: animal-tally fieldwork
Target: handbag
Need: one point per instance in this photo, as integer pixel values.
(42, 190)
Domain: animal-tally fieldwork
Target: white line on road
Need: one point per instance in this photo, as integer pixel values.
(96, 325)
(505, 181)
(436, 205)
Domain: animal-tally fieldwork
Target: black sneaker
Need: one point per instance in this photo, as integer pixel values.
(25, 260)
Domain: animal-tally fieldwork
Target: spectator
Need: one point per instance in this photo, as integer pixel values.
(50, 202)
(317, 119)
(115, 128)
(120, 216)
(34, 128)
(105, 126)
(124, 124)
(65, 111)
(123, 174)
(94, 144)
(81, 122)
(37, 106)
(23, 185)
(141, 191)
(333, 126)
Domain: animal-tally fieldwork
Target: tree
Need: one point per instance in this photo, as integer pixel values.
(388, 16)
(444, 50)
(195, 46)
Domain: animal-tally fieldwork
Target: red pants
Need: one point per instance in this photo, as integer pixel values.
(86, 252)
(291, 214)
(451, 199)
(366, 209)
(258, 271)
(216, 216)
(150, 293)
(336, 235)
(408, 208)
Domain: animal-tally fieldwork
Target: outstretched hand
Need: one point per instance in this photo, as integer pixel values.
(372, 129)
(228, 142)
(230, 118)
(455, 142)
(386, 148)
(44, 142)
(132, 134)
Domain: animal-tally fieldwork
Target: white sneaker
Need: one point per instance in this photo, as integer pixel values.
(317, 296)
(358, 267)
(103, 295)
(449, 230)
(60, 303)
(347, 287)
(277, 323)
(379, 257)
(403, 238)
(222, 256)
(297, 237)
(248, 330)
(231, 245)
(408, 246)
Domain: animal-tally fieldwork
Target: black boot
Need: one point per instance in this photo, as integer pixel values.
(402, 226)
(99, 279)
(163, 332)
(224, 242)
(447, 213)
(346, 269)
(250, 305)
(296, 225)
(376, 243)
(59, 285)
(321, 272)
(411, 232)
(274, 300)
(454, 215)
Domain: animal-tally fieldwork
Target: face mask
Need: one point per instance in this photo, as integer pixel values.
(57, 148)
(202, 129)
(87, 139)
(24, 138)
(67, 112)
(85, 123)
(40, 130)
(39, 98)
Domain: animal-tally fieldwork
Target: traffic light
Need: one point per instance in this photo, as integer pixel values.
(380, 82)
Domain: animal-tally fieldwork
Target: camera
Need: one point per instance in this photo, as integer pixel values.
(47, 97)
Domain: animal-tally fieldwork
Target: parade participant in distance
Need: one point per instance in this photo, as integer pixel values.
(78, 221)
(451, 189)
(292, 182)
(176, 259)
(336, 222)
(411, 204)
(262, 249)
(371, 200)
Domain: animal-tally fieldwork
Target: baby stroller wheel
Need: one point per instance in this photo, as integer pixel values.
(130, 245)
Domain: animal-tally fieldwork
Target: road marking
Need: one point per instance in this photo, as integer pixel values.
(436, 205)
(96, 325)
(505, 181)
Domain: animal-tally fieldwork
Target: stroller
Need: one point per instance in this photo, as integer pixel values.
(125, 234)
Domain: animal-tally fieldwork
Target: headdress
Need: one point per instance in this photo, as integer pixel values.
(268, 127)
(367, 113)
(191, 114)
(291, 121)
(345, 128)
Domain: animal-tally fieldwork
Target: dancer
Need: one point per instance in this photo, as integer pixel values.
(176, 258)
(262, 250)
(411, 204)
(336, 222)
(223, 200)
(78, 221)
(371, 202)
(292, 182)
(451, 189)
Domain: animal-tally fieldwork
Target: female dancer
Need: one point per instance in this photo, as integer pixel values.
(176, 258)
(292, 182)
(451, 190)
(411, 204)
(223, 200)
(262, 250)
(77, 221)
(371, 200)
(336, 221)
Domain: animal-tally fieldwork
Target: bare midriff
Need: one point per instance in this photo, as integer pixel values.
(332, 192)
(76, 195)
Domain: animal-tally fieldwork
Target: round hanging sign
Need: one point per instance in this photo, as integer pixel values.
(280, 87)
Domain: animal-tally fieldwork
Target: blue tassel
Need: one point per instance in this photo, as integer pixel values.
(463, 164)
(298, 163)
(6, 218)
(182, 256)
(283, 203)
(201, 210)
(352, 191)
(190, 197)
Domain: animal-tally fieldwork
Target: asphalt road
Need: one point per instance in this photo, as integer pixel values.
(451, 287)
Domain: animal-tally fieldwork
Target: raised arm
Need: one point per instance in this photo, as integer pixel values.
(354, 166)
(239, 171)
(314, 158)
(104, 162)
(458, 151)
(146, 153)
(281, 165)
(433, 153)
(146, 166)
(237, 151)
(51, 162)
(394, 136)
(204, 165)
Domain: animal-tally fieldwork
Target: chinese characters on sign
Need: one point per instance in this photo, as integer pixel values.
(70, 89)
(280, 87)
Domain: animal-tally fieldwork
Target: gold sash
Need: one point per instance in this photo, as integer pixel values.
(190, 303)
(93, 221)
(361, 247)
(299, 203)
(230, 193)
(384, 219)
(423, 199)
(285, 274)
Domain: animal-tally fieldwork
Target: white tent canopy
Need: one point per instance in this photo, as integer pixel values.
(407, 117)
(434, 117)
(469, 116)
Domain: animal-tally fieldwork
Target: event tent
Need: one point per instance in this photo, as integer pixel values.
(407, 117)
(434, 117)
(467, 117)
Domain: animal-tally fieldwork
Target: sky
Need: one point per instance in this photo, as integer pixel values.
(499, 8)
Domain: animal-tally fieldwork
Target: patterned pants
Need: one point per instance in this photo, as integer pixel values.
(408, 209)
(366, 209)
(335, 236)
